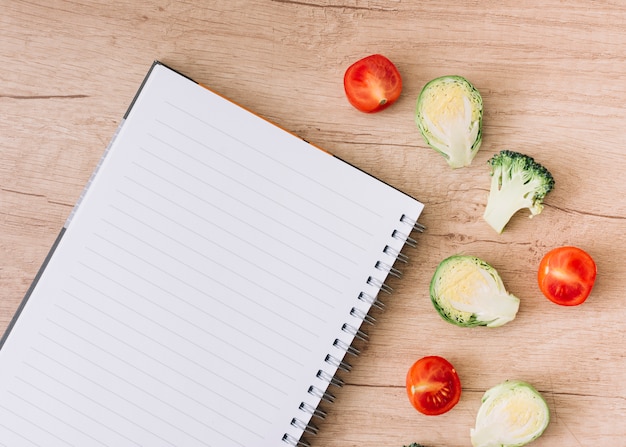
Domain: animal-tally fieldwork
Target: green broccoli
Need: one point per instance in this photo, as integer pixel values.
(414, 445)
(517, 181)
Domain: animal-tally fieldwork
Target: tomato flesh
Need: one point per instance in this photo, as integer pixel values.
(433, 385)
(566, 275)
(372, 84)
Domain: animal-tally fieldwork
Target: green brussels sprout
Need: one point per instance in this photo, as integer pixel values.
(449, 116)
(467, 291)
(512, 414)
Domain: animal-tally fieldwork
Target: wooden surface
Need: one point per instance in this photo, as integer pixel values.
(552, 76)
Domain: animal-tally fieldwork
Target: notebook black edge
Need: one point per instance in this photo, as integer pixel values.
(145, 79)
(376, 178)
(57, 241)
(31, 288)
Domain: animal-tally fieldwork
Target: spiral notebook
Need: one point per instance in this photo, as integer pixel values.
(205, 288)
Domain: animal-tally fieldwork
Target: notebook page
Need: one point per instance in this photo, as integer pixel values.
(199, 285)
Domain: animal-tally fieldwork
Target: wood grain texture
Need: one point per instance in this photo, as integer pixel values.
(553, 79)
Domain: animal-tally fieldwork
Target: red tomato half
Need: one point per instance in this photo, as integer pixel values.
(433, 385)
(372, 83)
(566, 275)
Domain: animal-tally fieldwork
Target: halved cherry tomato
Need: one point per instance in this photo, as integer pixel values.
(372, 83)
(433, 385)
(566, 275)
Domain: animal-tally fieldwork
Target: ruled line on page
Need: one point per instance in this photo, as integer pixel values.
(245, 334)
(182, 319)
(277, 161)
(259, 286)
(328, 269)
(297, 251)
(134, 385)
(253, 208)
(174, 351)
(44, 373)
(254, 191)
(256, 173)
(53, 416)
(152, 395)
(280, 278)
(244, 352)
(157, 267)
(72, 408)
(29, 421)
(84, 396)
(19, 434)
(178, 298)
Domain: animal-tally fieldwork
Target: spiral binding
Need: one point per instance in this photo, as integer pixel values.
(372, 301)
(288, 439)
(329, 378)
(355, 332)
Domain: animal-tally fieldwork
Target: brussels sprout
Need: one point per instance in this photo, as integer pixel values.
(468, 292)
(449, 116)
(512, 414)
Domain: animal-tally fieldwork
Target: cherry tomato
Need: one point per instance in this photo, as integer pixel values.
(566, 275)
(372, 83)
(433, 385)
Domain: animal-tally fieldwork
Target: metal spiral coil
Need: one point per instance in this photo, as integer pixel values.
(292, 441)
(380, 285)
(404, 237)
(337, 363)
(329, 378)
(414, 224)
(372, 301)
(355, 331)
(348, 349)
(320, 394)
(396, 254)
(313, 411)
(306, 428)
(388, 269)
(365, 317)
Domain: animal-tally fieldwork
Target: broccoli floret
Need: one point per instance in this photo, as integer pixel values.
(517, 181)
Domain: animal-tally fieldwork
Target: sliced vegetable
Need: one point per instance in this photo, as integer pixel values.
(468, 292)
(566, 275)
(449, 116)
(517, 182)
(372, 84)
(433, 385)
(512, 414)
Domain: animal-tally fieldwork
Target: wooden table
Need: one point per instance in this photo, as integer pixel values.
(552, 75)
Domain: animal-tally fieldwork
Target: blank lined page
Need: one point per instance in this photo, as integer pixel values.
(199, 285)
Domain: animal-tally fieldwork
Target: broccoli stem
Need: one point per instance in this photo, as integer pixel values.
(504, 201)
(497, 214)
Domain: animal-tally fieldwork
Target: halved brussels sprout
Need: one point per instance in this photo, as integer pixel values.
(512, 414)
(449, 116)
(468, 292)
